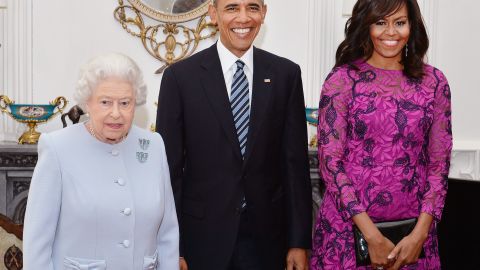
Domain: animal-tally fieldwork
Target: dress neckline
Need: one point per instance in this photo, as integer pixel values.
(365, 63)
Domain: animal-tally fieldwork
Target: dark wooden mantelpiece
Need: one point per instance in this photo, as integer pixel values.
(16, 168)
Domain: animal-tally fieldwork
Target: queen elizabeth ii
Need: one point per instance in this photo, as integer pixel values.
(100, 196)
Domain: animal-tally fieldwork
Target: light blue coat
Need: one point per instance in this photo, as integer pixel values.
(96, 206)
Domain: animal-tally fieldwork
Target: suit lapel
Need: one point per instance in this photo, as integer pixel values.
(214, 86)
(262, 91)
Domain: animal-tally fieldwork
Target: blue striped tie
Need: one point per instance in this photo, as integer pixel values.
(239, 102)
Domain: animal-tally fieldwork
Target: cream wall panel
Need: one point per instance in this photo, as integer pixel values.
(72, 33)
(2, 52)
(458, 57)
(16, 65)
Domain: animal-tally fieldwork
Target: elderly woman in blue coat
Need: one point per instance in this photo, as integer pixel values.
(100, 196)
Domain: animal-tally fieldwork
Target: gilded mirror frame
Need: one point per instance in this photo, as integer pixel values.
(170, 17)
(170, 40)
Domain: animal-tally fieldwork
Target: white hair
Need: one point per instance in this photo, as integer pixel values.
(105, 66)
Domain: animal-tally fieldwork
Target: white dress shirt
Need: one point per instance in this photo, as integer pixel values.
(228, 61)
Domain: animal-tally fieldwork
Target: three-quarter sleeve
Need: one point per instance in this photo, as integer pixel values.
(168, 234)
(332, 143)
(43, 209)
(438, 150)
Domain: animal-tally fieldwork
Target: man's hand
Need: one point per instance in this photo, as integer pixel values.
(183, 264)
(297, 259)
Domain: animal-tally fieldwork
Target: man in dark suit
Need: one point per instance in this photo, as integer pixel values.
(233, 121)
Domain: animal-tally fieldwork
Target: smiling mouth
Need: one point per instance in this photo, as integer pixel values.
(390, 43)
(241, 31)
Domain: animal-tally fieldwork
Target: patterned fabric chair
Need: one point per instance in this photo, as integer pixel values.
(11, 256)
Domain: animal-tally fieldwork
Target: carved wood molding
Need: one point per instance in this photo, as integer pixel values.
(465, 164)
(10, 227)
(18, 160)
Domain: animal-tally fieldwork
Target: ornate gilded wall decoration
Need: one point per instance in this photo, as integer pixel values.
(168, 41)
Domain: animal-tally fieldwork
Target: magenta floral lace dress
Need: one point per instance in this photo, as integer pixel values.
(384, 148)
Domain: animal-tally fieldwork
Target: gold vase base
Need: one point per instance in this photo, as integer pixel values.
(313, 141)
(30, 136)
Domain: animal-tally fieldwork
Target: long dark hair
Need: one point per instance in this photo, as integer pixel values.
(358, 45)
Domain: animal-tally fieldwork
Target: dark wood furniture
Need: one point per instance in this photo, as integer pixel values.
(16, 168)
(10, 227)
(11, 253)
(459, 230)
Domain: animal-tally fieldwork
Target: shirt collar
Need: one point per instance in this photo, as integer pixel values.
(228, 59)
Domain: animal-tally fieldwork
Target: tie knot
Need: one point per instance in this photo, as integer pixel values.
(240, 64)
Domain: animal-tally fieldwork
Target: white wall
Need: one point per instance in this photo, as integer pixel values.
(2, 46)
(459, 57)
(50, 39)
(16, 65)
(79, 31)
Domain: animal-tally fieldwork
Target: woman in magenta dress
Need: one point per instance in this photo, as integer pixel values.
(385, 139)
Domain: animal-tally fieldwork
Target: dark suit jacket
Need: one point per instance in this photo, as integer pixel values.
(209, 177)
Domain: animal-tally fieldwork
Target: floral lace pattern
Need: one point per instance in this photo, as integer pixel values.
(384, 149)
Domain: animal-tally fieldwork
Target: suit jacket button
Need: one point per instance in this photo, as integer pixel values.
(126, 243)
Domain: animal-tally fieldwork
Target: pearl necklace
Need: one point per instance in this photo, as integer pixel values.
(92, 132)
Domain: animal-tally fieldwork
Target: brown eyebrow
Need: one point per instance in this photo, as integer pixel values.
(402, 17)
(386, 18)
